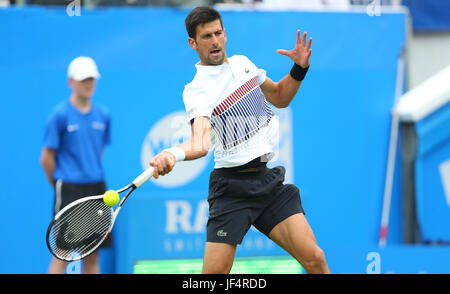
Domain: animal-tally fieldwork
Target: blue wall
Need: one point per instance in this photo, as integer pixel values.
(339, 125)
(433, 152)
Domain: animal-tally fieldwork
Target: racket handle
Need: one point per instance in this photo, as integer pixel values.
(144, 177)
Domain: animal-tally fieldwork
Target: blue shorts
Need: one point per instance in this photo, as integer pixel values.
(252, 194)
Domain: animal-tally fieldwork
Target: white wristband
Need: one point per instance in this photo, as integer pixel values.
(177, 152)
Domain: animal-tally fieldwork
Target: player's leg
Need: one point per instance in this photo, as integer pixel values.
(228, 222)
(91, 264)
(223, 233)
(218, 258)
(57, 266)
(296, 237)
(284, 222)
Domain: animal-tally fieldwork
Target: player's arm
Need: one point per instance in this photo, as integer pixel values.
(197, 146)
(48, 163)
(281, 94)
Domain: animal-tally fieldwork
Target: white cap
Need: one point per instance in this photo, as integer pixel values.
(82, 68)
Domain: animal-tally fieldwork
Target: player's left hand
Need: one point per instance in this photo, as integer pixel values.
(302, 51)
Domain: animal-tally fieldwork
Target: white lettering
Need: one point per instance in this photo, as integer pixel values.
(374, 267)
(201, 216)
(179, 217)
(178, 213)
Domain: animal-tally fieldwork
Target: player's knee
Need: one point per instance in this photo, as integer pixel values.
(315, 260)
(217, 268)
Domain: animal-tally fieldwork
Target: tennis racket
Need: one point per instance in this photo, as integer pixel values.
(80, 227)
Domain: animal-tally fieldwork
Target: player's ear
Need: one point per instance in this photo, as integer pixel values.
(192, 43)
(70, 82)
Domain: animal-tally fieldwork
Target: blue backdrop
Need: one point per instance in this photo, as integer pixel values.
(429, 15)
(337, 126)
(433, 153)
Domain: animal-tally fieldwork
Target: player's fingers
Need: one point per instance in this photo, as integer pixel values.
(155, 172)
(167, 165)
(161, 167)
(299, 40)
(309, 43)
(283, 52)
(160, 164)
(154, 163)
(304, 39)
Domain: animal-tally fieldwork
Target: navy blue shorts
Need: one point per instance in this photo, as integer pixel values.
(239, 199)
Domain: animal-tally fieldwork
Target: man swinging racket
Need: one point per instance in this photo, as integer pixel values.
(228, 105)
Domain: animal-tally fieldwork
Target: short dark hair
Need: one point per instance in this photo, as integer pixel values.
(200, 15)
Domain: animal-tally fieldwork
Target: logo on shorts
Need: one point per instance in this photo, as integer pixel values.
(221, 233)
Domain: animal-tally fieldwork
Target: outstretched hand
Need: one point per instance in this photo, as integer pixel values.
(302, 51)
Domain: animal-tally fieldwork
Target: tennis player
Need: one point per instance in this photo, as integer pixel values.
(228, 106)
(76, 133)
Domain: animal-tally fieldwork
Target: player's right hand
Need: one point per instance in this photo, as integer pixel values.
(162, 163)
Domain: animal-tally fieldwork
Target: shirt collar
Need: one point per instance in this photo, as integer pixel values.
(212, 68)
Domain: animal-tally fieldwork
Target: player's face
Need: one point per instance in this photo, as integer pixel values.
(210, 43)
(83, 89)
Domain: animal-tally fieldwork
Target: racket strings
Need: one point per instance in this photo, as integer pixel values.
(80, 229)
(80, 225)
(83, 226)
(63, 220)
(75, 238)
(62, 224)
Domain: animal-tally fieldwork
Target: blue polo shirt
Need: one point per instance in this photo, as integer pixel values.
(79, 140)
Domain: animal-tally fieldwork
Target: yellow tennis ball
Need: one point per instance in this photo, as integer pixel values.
(111, 198)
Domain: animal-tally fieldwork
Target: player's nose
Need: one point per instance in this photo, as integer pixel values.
(215, 40)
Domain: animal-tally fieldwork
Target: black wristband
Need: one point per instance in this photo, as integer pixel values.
(298, 73)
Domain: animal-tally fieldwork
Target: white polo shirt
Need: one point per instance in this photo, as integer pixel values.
(243, 124)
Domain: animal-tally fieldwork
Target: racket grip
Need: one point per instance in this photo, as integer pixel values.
(144, 177)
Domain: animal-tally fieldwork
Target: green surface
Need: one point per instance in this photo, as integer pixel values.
(253, 265)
